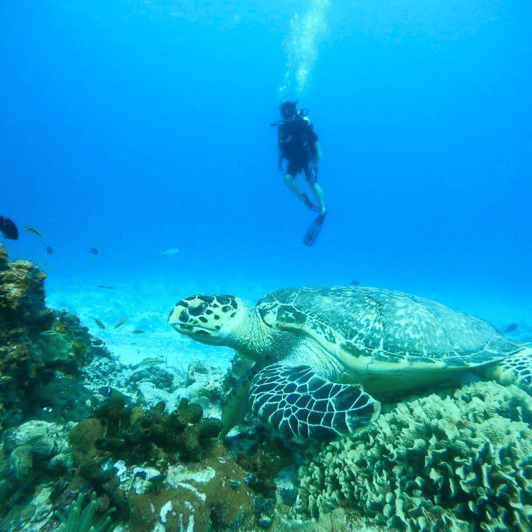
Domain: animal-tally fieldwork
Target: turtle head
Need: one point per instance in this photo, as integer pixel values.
(209, 319)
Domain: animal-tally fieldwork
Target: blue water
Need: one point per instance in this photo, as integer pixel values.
(133, 127)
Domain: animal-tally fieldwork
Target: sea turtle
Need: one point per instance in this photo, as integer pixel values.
(320, 352)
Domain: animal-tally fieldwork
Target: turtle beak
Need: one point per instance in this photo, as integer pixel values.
(194, 317)
(183, 322)
(209, 319)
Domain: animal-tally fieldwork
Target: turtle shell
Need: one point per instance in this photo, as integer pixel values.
(361, 324)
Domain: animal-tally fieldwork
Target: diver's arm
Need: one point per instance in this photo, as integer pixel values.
(281, 157)
(314, 152)
(317, 151)
(281, 151)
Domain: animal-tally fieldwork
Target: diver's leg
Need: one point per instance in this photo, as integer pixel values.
(311, 173)
(318, 192)
(315, 227)
(292, 186)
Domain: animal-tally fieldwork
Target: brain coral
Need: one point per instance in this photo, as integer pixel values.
(461, 462)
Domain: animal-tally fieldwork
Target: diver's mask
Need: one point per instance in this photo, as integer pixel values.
(288, 109)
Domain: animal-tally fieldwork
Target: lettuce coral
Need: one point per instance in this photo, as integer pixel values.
(460, 462)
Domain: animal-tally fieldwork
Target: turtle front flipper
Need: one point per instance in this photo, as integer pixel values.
(515, 369)
(298, 402)
(236, 405)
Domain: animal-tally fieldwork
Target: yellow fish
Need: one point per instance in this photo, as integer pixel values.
(149, 362)
(152, 361)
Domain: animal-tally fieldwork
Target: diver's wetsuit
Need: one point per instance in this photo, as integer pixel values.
(297, 142)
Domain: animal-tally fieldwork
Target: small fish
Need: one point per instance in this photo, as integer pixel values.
(157, 481)
(149, 362)
(8, 228)
(121, 322)
(138, 331)
(49, 250)
(355, 282)
(158, 478)
(48, 333)
(100, 323)
(106, 286)
(169, 252)
(31, 229)
(94, 251)
(113, 395)
(510, 328)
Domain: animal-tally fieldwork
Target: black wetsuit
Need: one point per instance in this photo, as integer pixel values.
(297, 143)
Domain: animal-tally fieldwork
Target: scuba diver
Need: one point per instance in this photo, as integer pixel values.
(298, 144)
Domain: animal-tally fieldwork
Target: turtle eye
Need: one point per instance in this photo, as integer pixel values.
(197, 308)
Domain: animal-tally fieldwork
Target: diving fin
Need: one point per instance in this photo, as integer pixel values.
(314, 230)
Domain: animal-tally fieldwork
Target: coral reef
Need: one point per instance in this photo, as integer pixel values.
(35, 450)
(37, 345)
(159, 471)
(64, 342)
(135, 434)
(33, 441)
(160, 467)
(149, 384)
(76, 521)
(204, 496)
(169, 469)
(21, 294)
(264, 458)
(22, 311)
(156, 465)
(460, 462)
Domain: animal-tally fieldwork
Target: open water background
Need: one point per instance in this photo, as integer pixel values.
(134, 127)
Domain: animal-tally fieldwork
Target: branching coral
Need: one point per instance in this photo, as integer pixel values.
(136, 435)
(460, 463)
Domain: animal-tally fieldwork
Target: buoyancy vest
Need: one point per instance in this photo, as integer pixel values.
(297, 137)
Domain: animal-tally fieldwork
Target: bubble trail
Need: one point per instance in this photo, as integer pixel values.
(302, 47)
